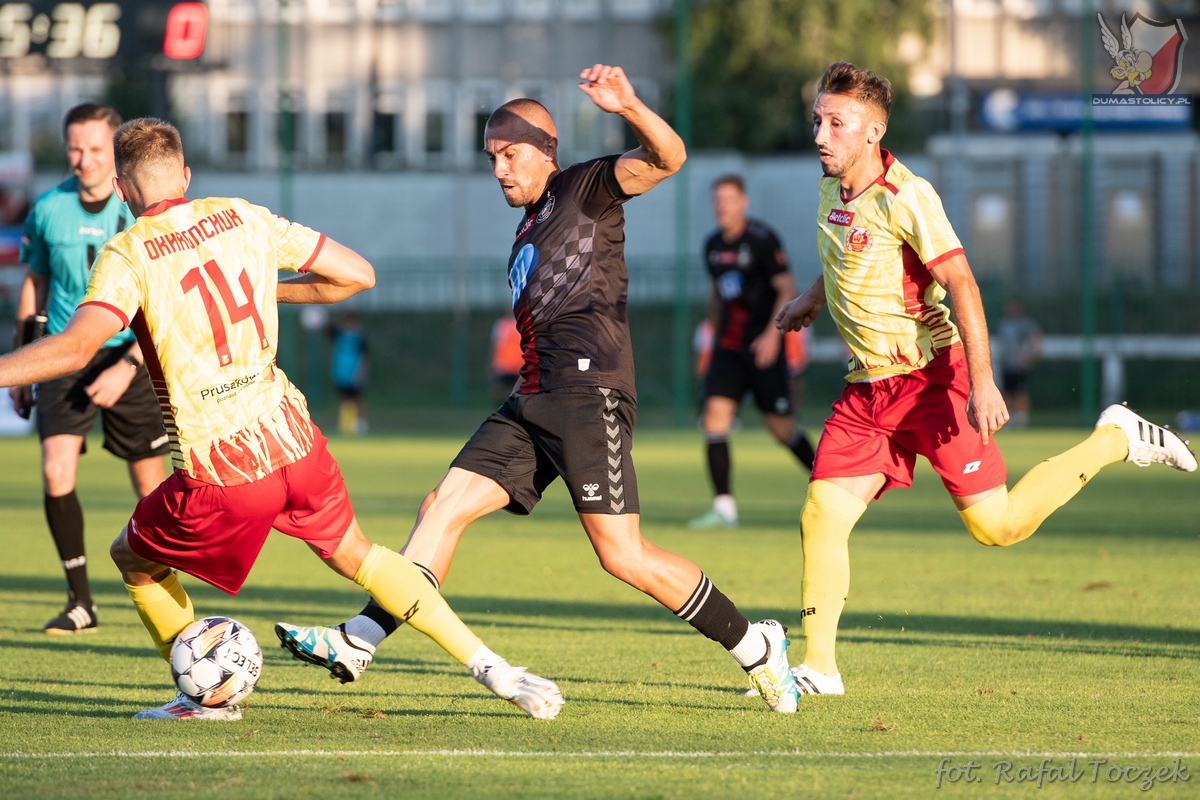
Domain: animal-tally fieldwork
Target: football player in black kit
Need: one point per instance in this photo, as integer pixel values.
(751, 283)
(574, 411)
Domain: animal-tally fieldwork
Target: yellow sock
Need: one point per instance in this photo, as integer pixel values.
(165, 609)
(403, 592)
(1005, 518)
(825, 524)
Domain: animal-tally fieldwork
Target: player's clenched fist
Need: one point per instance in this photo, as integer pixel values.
(800, 313)
(608, 87)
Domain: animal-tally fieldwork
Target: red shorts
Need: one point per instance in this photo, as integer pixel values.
(882, 426)
(215, 533)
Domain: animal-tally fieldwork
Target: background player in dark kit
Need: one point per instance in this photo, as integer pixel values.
(574, 412)
(751, 283)
(63, 233)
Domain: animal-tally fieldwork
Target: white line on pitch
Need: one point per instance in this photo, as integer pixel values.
(593, 754)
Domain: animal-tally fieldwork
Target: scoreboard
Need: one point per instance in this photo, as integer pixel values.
(102, 30)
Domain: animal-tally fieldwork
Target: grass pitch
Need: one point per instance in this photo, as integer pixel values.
(1084, 639)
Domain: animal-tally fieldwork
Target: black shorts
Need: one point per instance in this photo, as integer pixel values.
(584, 434)
(133, 428)
(732, 373)
(1016, 381)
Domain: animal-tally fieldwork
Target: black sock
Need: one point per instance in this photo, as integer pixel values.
(374, 612)
(718, 463)
(713, 614)
(65, 517)
(801, 448)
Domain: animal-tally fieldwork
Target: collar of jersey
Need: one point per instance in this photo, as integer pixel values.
(163, 205)
(888, 160)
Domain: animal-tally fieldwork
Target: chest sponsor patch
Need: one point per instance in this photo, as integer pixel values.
(841, 217)
(518, 274)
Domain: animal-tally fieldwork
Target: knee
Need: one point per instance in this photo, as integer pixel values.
(59, 478)
(625, 566)
(121, 555)
(994, 535)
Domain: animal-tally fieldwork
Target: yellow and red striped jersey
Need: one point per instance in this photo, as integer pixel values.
(876, 251)
(195, 280)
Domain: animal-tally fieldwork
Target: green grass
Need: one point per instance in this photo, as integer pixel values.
(1084, 639)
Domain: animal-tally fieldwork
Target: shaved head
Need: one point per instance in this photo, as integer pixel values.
(522, 121)
(521, 143)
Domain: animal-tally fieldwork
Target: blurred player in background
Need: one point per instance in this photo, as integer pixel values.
(917, 383)
(1020, 348)
(574, 412)
(751, 283)
(197, 282)
(348, 366)
(63, 233)
(504, 367)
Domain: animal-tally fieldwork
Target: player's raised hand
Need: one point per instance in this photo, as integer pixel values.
(608, 87)
(986, 410)
(799, 313)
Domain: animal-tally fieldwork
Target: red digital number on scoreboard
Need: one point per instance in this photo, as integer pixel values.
(187, 24)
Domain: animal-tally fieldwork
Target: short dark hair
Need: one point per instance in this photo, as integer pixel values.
(146, 142)
(91, 112)
(730, 179)
(866, 87)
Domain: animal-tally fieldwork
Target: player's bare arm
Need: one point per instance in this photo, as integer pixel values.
(766, 346)
(662, 152)
(63, 353)
(337, 273)
(804, 310)
(34, 291)
(985, 406)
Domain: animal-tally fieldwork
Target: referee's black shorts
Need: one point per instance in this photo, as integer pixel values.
(133, 427)
(582, 433)
(732, 373)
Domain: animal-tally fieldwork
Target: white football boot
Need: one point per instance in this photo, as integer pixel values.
(536, 696)
(183, 708)
(1149, 443)
(345, 656)
(773, 680)
(809, 681)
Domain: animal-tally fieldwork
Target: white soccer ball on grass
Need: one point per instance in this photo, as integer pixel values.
(216, 662)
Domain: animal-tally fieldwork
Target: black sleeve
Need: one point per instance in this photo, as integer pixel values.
(774, 260)
(594, 185)
(709, 246)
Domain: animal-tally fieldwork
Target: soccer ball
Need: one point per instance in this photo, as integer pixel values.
(216, 661)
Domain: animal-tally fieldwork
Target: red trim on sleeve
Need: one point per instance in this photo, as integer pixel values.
(958, 251)
(163, 205)
(120, 314)
(313, 257)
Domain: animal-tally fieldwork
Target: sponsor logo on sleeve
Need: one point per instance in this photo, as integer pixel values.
(840, 217)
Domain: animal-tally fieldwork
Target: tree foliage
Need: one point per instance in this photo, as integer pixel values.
(751, 61)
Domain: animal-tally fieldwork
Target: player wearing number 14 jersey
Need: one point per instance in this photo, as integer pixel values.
(196, 280)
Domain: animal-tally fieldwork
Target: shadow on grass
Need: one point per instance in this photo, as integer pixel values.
(317, 605)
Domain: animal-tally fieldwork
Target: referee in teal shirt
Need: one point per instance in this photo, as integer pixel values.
(64, 231)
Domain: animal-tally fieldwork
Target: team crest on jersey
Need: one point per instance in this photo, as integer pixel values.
(547, 209)
(840, 217)
(858, 240)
